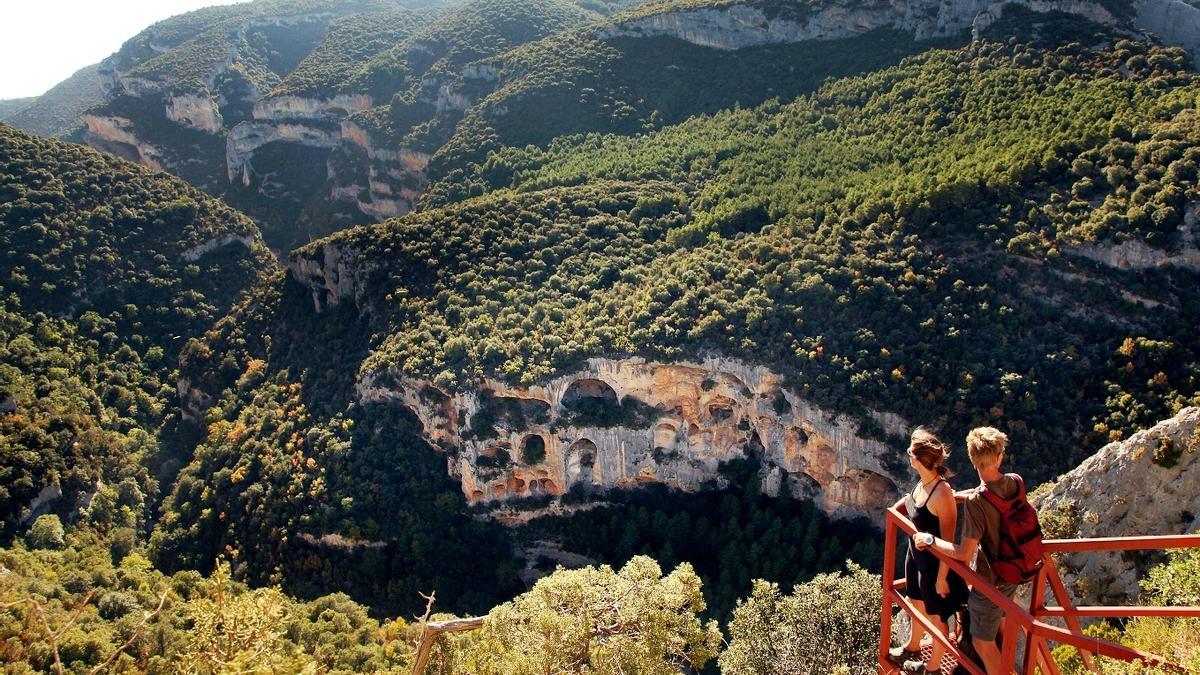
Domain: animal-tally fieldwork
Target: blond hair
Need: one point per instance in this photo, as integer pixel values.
(984, 444)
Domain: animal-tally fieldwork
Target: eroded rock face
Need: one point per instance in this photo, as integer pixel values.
(738, 26)
(118, 136)
(1137, 255)
(394, 178)
(1176, 22)
(332, 275)
(301, 107)
(250, 136)
(1148, 484)
(623, 422)
(194, 111)
(200, 250)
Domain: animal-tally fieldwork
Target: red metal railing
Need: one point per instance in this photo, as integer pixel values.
(1030, 623)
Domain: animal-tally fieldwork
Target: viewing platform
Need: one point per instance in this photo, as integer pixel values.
(1037, 626)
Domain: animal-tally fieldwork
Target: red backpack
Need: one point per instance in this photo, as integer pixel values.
(1020, 555)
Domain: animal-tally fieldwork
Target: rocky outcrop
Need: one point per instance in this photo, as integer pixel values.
(250, 136)
(200, 250)
(623, 422)
(340, 542)
(8, 403)
(1148, 484)
(1136, 255)
(193, 401)
(1174, 21)
(195, 112)
(332, 273)
(41, 503)
(303, 107)
(738, 26)
(118, 136)
(395, 179)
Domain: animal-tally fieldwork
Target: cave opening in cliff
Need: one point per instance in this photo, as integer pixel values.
(580, 457)
(755, 447)
(533, 449)
(589, 391)
(720, 408)
(591, 403)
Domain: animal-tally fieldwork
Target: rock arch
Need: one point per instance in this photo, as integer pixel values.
(665, 434)
(580, 391)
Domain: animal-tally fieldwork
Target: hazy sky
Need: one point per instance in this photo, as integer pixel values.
(43, 41)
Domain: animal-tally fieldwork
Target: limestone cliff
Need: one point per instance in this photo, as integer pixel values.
(745, 25)
(1148, 484)
(333, 274)
(118, 136)
(223, 91)
(622, 422)
(1136, 255)
(194, 111)
(619, 423)
(1175, 21)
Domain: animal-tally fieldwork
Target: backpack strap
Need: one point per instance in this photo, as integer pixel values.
(1003, 505)
(1020, 485)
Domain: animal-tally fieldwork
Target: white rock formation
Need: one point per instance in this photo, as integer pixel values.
(247, 137)
(200, 250)
(1148, 484)
(118, 136)
(194, 111)
(738, 26)
(1174, 21)
(1138, 256)
(302, 107)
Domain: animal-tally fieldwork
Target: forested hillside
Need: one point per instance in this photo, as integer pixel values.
(787, 234)
(108, 270)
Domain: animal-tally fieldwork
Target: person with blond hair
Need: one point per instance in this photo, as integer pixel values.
(981, 532)
(935, 591)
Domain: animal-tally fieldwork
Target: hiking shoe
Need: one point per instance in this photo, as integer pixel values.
(916, 666)
(899, 655)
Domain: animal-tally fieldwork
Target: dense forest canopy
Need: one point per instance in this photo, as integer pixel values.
(107, 273)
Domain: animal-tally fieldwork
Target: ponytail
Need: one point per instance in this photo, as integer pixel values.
(930, 452)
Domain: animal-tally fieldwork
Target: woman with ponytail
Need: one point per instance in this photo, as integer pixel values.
(934, 590)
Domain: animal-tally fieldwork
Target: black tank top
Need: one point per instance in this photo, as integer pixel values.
(924, 519)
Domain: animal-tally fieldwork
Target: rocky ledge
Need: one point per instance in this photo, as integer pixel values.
(1148, 484)
(1136, 255)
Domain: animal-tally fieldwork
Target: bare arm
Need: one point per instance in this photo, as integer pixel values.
(946, 510)
(963, 551)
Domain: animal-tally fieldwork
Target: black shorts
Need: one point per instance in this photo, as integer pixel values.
(920, 578)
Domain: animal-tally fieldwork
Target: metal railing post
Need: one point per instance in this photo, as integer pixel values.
(889, 574)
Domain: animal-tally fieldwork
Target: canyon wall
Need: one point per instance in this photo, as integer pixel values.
(1138, 256)
(619, 423)
(381, 177)
(738, 26)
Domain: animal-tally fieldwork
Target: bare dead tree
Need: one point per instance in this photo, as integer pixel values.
(430, 631)
(53, 636)
(137, 632)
